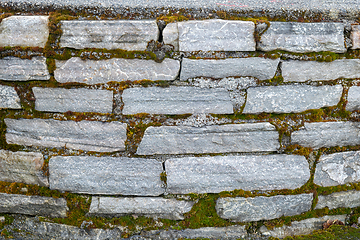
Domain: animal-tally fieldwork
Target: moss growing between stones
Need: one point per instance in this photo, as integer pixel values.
(334, 232)
(172, 18)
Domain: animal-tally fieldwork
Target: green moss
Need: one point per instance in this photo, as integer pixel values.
(163, 177)
(173, 18)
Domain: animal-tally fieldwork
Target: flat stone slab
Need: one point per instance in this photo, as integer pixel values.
(348, 199)
(257, 67)
(140, 206)
(291, 98)
(115, 69)
(252, 137)
(17, 69)
(22, 167)
(338, 169)
(176, 100)
(106, 175)
(75, 100)
(263, 208)
(33, 205)
(24, 31)
(327, 134)
(83, 135)
(303, 37)
(355, 36)
(353, 99)
(301, 71)
(110, 34)
(227, 173)
(9, 98)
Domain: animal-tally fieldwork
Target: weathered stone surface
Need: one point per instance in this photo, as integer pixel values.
(355, 36)
(24, 31)
(23, 167)
(353, 98)
(291, 98)
(327, 134)
(143, 206)
(303, 227)
(115, 69)
(348, 199)
(75, 100)
(83, 135)
(263, 208)
(17, 69)
(106, 175)
(337, 169)
(252, 137)
(258, 67)
(9, 98)
(303, 37)
(171, 35)
(301, 71)
(226, 173)
(176, 100)
(116, 34)
(33, 205)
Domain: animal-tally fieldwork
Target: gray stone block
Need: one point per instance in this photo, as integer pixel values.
(355, 36)
(171, 35)
(17, 69)
(33, 205)
(106, 175)
(83, 135)
(9, 98)
(291, 98)
(22, 167)
(263, 208)
(348, 199)
(176, 100)
(75, 100)
(251, 137)
(24, 31)
(258, 67)
(353, 99)
(140, 206)
(110, 34)
(227, 173)
(303, 37)
(115, 69)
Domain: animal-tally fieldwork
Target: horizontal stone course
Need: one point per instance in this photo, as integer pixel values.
(348, 199)
(355, 36)
(9, 98)
(353, 99)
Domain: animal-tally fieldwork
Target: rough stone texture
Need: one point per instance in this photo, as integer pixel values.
(176, 100)
(106, 175)
(263, 208)
(348, 199)
(303, 227)
(226, 173)
(75, 100)
(216, 35)
(115, 69)
(9, 98)
(258, 67)
(301, 71)
(303, 37)
(143, 206)
(171, 35)
(116, 34)
(327, 134)
(337, 169)
(24, 31)
(355, 36)
(23, 167)
(252, 137)
(33, 205)
(17, 69)
(291, 98)
(83, 135)
(353, 99)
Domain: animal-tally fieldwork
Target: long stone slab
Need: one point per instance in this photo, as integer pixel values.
(109, 34)
(353, 99)
(258, 67)
(106, 175)
(227, 173)
(24, 31)
(338, 169)
(252, 137)
(355, 36)
(33, 205)
(348, 199)
(83, 135)
(301, 71)
(9, 98)
(143, 206)
(176, 100)
(263, 208)
(303, 37)
(17, 69)
(75, 100)
(291, 98)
